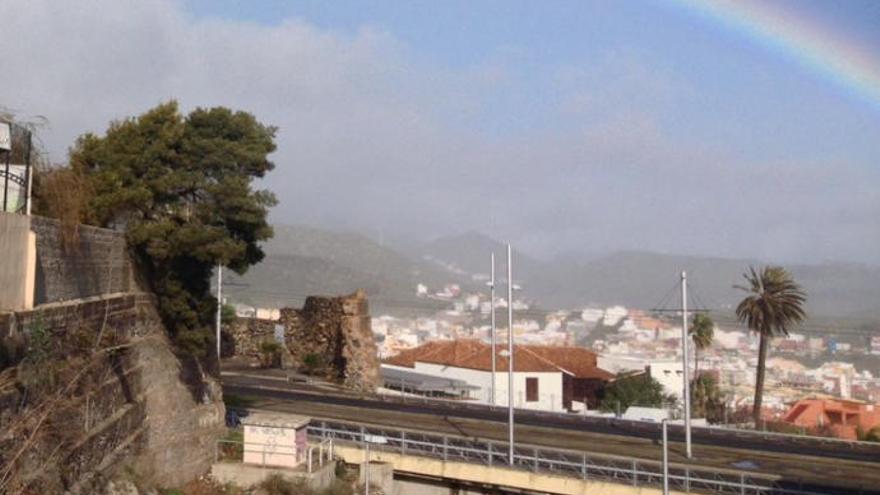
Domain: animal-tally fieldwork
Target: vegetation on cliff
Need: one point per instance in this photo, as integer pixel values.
(182, 188)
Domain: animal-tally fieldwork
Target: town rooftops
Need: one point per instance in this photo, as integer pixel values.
(474, 354)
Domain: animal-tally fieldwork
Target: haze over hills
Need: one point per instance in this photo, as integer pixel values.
(302, 261)
(469, 253)
(644, 280)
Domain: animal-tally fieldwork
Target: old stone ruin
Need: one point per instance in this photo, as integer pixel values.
(329, 337)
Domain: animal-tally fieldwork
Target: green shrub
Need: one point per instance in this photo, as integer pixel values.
(270, 354)
(313, 363)
(277, 484)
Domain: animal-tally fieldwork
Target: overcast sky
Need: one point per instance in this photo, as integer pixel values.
(562, 126)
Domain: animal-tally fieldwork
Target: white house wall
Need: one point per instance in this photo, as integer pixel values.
(549, 390)
(549, 385)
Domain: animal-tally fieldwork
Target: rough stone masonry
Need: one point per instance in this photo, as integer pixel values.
(334, 330)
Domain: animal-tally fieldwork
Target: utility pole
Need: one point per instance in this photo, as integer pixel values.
(28, 172)
(684, 359)
(492, 311)
(219, 307)
(665, 458)
(367, 467)
(510, 391)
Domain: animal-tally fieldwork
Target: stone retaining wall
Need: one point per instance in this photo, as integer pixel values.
(140, 408)
(96, 262)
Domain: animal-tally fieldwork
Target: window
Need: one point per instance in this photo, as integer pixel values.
(531, 390)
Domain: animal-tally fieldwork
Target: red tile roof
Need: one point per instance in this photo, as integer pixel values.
(474, 354)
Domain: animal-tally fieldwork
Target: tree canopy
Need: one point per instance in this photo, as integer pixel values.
(706, 399)
(702, 333)
(633, 390)
(182, 188)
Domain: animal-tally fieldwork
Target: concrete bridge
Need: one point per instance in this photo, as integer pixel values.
(432, 464)
(415, 475)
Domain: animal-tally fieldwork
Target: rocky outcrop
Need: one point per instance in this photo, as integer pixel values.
(81, 408)
(331, 336)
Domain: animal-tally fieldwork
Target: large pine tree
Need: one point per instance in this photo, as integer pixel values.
(182, 188)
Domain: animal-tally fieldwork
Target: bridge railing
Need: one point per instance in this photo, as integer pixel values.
(586, 466)
(839, 444)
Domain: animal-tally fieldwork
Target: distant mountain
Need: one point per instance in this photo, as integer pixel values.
(303, 260)
(646, 280)
(468, 253)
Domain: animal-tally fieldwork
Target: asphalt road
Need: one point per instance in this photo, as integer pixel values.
(797, 461)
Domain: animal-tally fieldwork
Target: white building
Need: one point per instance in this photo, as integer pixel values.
(666, 371)
(548, 378)
(591, 315)
(613, 315)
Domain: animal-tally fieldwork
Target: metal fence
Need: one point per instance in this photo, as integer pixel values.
(849, 448)
(586, 466)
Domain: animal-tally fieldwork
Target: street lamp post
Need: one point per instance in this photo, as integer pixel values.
(685, 343)
(219, 307)
(665, 458)
(510, 390)
(492, 311)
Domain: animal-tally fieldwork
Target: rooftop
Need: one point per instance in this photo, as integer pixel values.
(474, 354)
(275, 420)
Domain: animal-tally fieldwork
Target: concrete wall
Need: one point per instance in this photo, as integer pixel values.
(118, 311)
(96, 262)
(17, 262)
(244, 475)
(549, 390)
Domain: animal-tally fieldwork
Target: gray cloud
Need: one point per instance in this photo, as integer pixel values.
(372, 138)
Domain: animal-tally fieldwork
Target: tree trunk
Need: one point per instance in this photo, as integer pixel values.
(696, 361)
(759, 379)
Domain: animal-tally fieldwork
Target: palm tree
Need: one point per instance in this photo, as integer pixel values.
(702, 332)
(774, 303)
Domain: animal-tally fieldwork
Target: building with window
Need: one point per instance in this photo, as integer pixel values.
(841, 418)
(666, 371)
(549, 378)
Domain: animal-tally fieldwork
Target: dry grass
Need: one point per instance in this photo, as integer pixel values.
(64, 194)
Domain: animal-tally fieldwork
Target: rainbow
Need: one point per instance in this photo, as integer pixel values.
(835, 57)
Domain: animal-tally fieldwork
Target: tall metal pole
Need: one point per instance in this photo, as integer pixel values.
(6, 172)
(685, 340)
(28, 171)
(367, 467)
(665, 459)
(510, 391)
(219, 307)
(494, 341)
